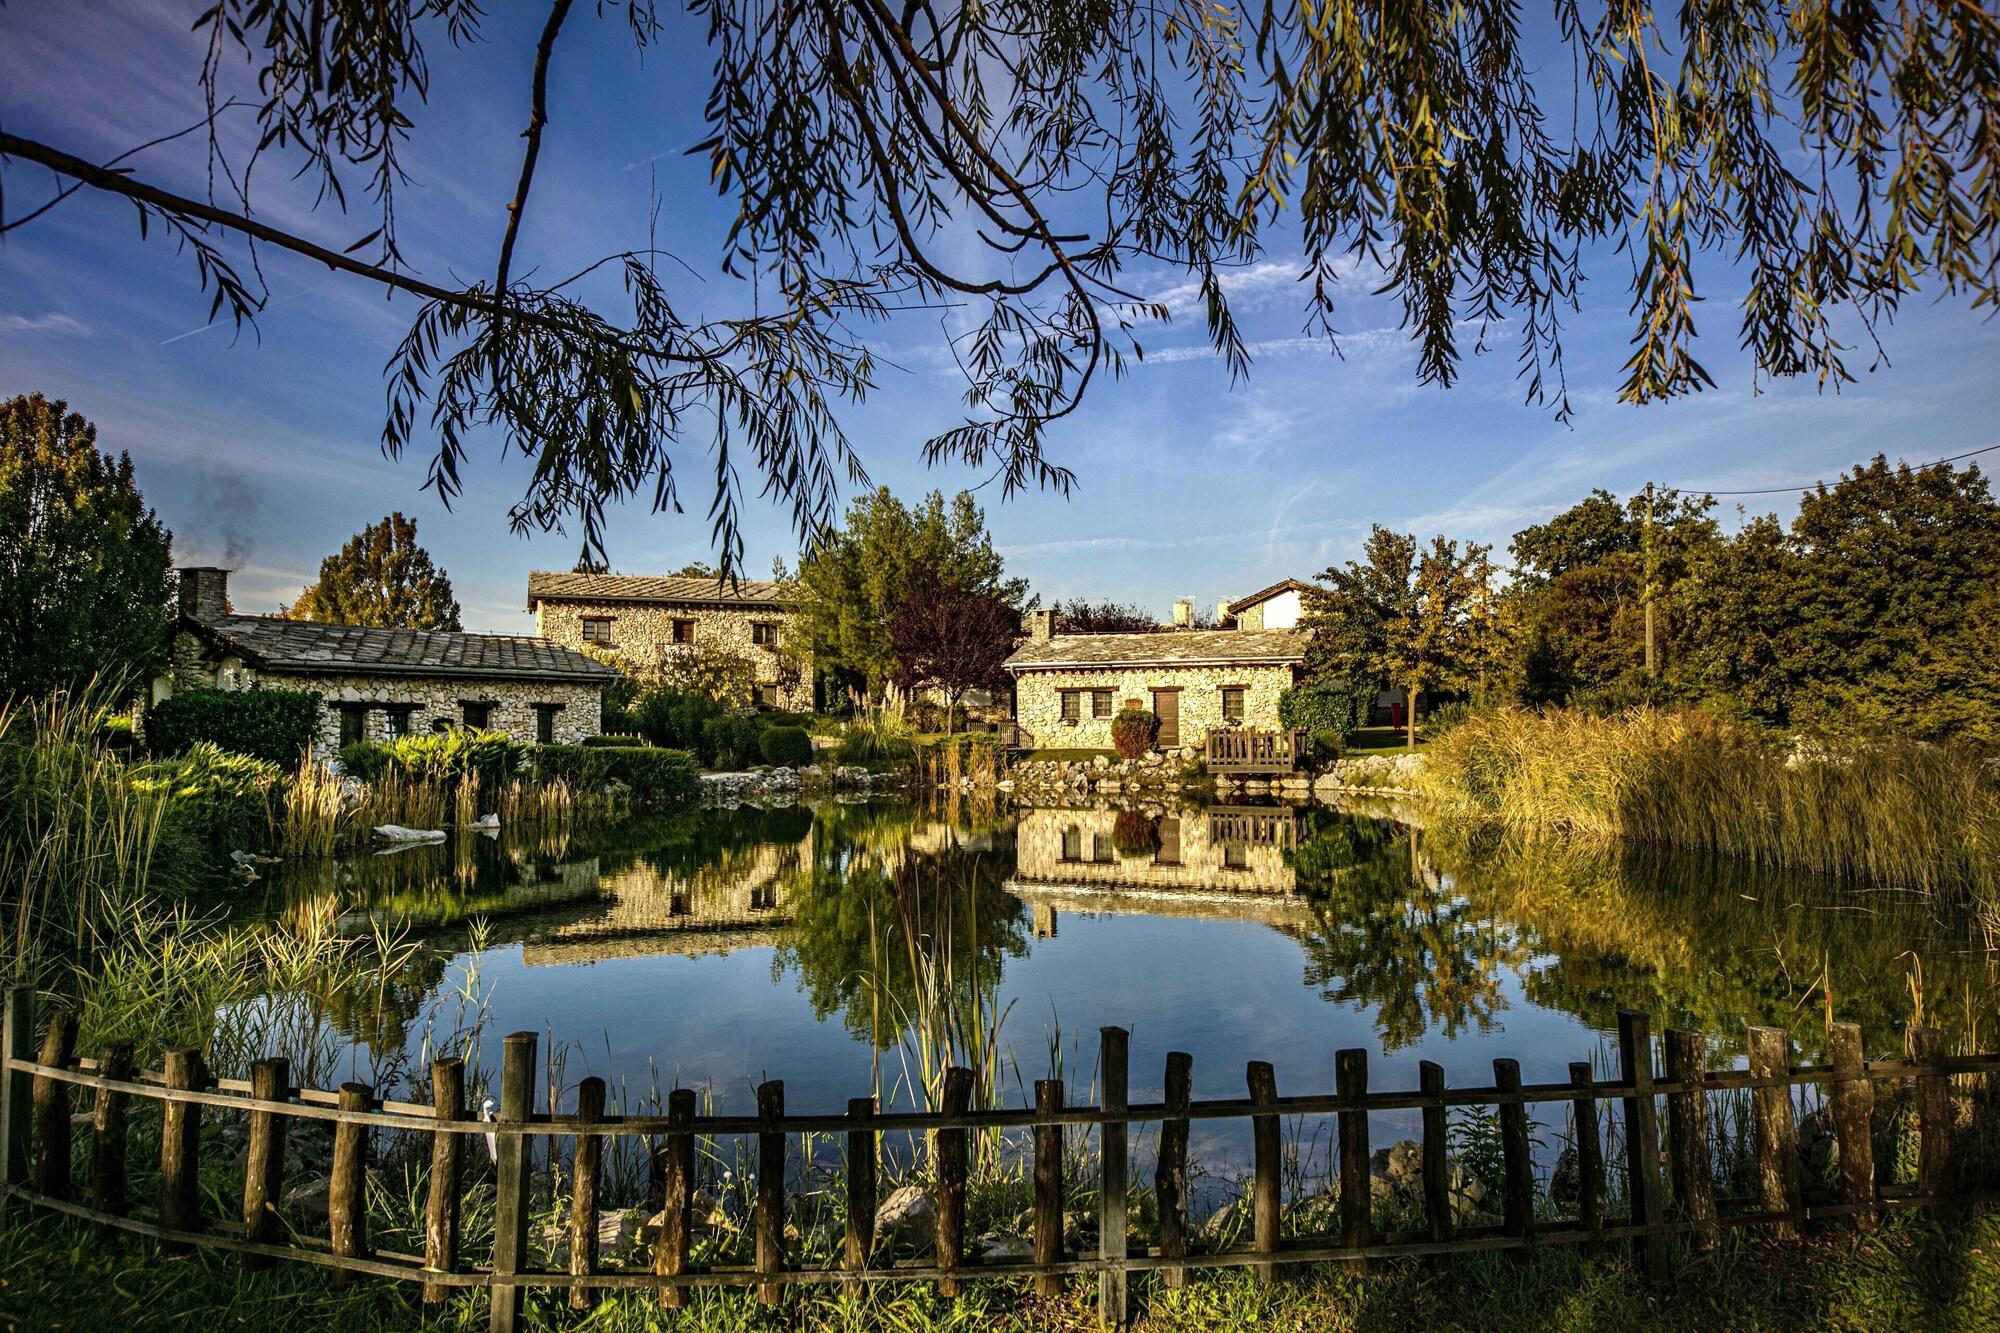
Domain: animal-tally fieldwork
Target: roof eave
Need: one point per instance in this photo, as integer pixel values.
(1138, 663)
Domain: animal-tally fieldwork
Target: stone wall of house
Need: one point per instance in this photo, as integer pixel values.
(1038, 700)
(431, 700)
(643, 633)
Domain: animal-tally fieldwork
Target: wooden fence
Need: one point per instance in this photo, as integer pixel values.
(1230, 751)
(35, 1128)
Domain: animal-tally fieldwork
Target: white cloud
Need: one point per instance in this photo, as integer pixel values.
(52, 324)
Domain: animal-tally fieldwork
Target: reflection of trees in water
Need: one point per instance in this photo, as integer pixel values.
(1388, 934)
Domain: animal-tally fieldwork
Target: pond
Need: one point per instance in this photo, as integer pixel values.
(843, 947)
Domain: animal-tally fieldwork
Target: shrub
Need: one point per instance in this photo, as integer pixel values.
(493, 756)
(275, 725)
(731, 741)
(616, 742)
(877, 736)
(1133, 732)
(216, 800)
(655, 776)
(674, 719)
(1134, 834)
(788, 747)
(364, 761)
(1324, 712)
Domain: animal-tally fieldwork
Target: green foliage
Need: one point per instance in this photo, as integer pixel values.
(493, 756)
(1135, 833)
(732, 740)
(878, 737)
(722, 675)
(274, 725)
(1133, 731)
(383, 579)
(1323, 710)
(83, 562)
(852, 583)
(655, 776)
(216, 801)
(674, 719)
(787, 747)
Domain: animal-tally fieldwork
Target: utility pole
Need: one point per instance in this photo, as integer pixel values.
(1646, 592)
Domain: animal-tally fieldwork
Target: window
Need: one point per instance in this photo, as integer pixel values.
(545, 723)
(1101, 849)
(1100, 703)
(1169, 853)
(764, 633)
(396, 721)
(475, 713)
(683, 632)
(1072, 706)
(353, 725)
(1232, 705)
(597, 629)
(767, 695)
(1072, 847)
(1235, 856)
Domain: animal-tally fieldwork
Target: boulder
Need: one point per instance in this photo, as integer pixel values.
(618, 1235)
(1002, 1248)
(908, 1217)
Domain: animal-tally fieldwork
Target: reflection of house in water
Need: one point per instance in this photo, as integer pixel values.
(737, 901)
(1225, 860)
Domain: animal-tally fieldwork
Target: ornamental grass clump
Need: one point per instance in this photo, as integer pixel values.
(1898, 814)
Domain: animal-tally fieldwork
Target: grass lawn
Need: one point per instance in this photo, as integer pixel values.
(1378, 740)
(1913, 1273)
(1064, 756)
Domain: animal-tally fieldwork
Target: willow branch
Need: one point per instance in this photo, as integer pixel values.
(538, 116)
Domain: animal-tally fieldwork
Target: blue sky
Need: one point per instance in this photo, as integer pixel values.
(262, 450)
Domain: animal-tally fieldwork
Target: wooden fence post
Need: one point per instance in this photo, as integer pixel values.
(860, 1184)
(1934, 1117)
(51, 1098)
(1265, 1200)
(1350, 1084)
(1440, 1220)
(1687, 1135)
(16, 1103)
(1642, 1140)
(1589, 1154)
(952, 1147)
(108, 1192)
(447, 1157)
(1851, 1100)
(1517, 1166)
(510, 1197)
(1048, 1186)
(670, 1248)
(583, 1191)
(770, 1189)
(347, 1194)
(180, 1147)
(1170, 1172)
(1776, 1132)
(264, 1162)
(1113, 1045)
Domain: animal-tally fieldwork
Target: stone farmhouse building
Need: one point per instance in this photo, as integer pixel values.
(1067, 687)
(379, 684)
(1279, 606)
(646, 619)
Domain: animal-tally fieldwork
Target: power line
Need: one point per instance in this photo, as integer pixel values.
(1808, 485)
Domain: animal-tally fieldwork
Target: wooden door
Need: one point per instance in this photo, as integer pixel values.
(1167, 707)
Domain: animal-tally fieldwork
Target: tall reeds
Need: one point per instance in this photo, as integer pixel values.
(1899, 814)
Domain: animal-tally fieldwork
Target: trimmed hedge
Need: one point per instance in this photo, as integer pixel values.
(787, 747)
(275, 725)
(656, 776)
(1324, 712)
(1133, 731)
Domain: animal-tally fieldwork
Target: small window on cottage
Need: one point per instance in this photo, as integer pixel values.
(476, 714)
(353, 725)
(1100, 703)
(1101, 849)
(683, 631)
(1072, 847)
(764, 633)
(597, 630)
(545, 723)
(396, 722)
(767, 695)
(1232, 704)
(1072, 705)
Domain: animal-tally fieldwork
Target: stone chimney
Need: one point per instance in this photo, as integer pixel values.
(1223, 620)
(1041, 626)
(1183, 614)
(204, 592)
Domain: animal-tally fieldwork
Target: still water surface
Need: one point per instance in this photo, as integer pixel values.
(840, 947)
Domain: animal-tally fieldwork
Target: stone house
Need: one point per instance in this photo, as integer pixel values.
(1218, 850)
(1279, 606)
(1067, 687)
(646, 620)
(378, 684)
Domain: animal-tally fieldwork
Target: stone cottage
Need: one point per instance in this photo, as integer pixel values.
(646, 619)
(378, 684)
(1067, 687)
(1279, 606)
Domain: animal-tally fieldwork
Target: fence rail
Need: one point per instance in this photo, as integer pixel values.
(1233, 751)
(1669, 1174)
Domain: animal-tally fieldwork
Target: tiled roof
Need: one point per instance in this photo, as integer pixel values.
(647, 588)
(1266, 594)
(1277, 647)
(307, 646)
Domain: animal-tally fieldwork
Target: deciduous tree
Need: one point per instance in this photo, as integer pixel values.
(381, 578)
(1081, 616)
(83, 562)
(952, 639)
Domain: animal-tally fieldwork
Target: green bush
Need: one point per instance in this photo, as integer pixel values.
(1135, 834)
(877, 737)
(615, 742)
(732, 741)
(277, 725)
(216, 801)
(493, 755)
(673, 719)
(1324, 712)
(788, 747)
(655, 776)
(1133, 732)
(364, 761)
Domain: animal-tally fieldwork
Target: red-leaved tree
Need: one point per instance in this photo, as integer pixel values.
(952, 639)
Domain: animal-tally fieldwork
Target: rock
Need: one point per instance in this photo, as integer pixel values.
(397, 833)
(908, 1216)
(1004, 1249)
(308, 1199)
(491, 821)
(1225, 1222)
(617, 1235)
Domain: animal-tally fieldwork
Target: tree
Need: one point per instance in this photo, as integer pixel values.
(952, 639)
(83, 562)
(1018, 159)
(1081, 616)
(381, 578)
(1423, 620)
(850, 584)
